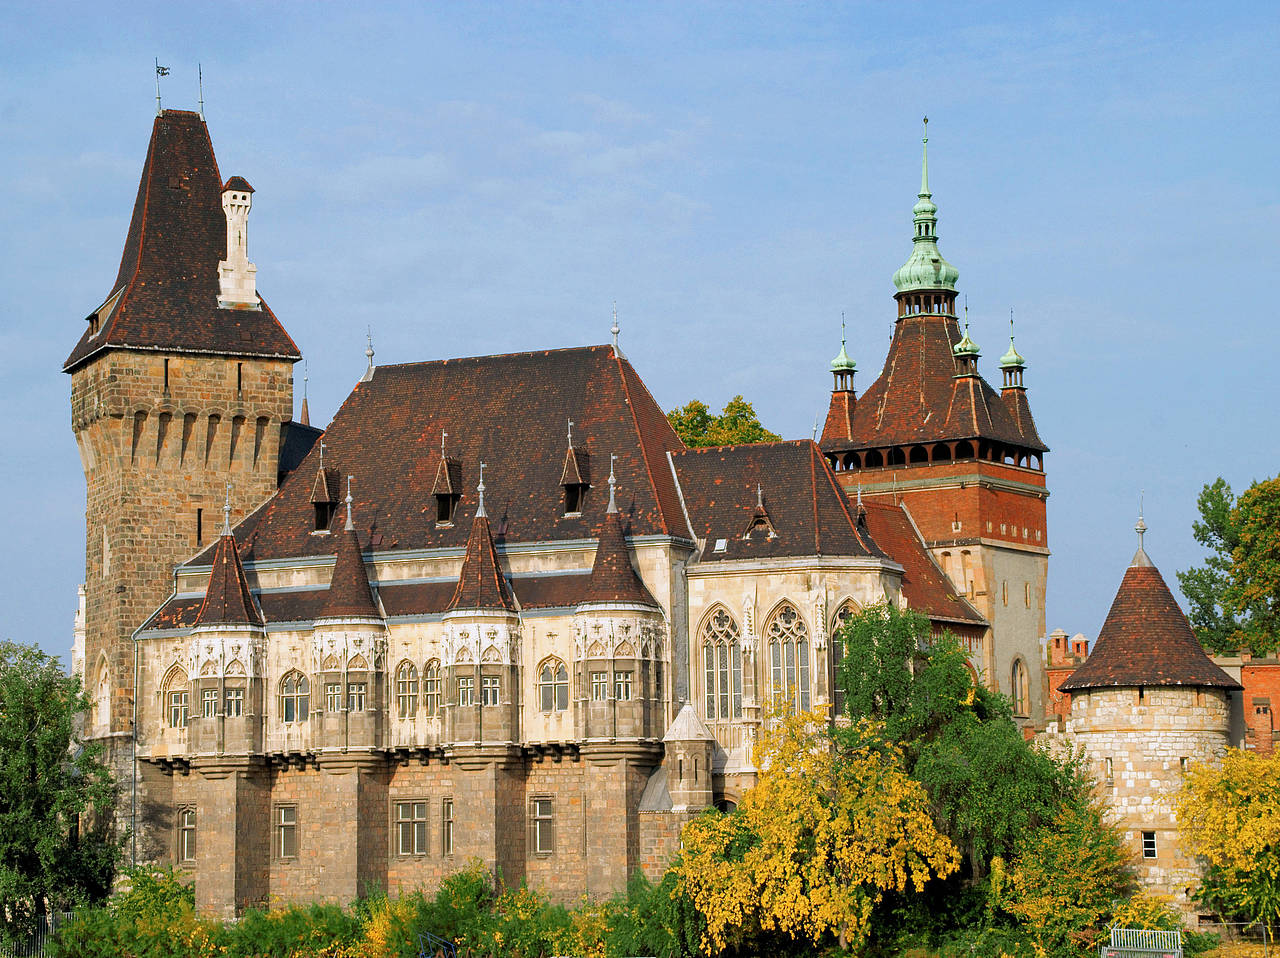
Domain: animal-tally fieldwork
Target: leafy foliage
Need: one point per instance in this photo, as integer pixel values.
(1234, 597)
(57, 847)
(829, 828)
(697, 425)
(1229, 816)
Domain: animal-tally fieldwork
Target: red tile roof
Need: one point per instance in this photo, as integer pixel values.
(238, 183)
(925, 586)
(807, 510)
(168, 280)
(349, 595)
(1146, 640)
(481, 584)
(613, 578)
(507, 411)
(918, 399)
(227, 600)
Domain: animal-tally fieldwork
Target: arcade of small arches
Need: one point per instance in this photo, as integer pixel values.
(934, 303)
(920, 453)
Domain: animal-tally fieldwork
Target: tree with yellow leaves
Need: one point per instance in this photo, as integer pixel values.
(1229, 817)
(826, 832)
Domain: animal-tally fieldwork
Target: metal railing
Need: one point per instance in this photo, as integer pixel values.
(34, 946)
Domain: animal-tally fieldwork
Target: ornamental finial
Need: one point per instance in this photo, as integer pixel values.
(613, 484)
(615, 329)
(368, 352)
(226, 513)
(570, 433)
(924, 167)
(350, 526)
(480, 491)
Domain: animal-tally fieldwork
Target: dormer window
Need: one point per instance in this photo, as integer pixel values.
(324, 515)
(324, 498)
(573, 496)
(447, 490)
(760, 525)
(574, 478)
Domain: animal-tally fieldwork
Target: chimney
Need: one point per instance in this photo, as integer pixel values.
(237, 277)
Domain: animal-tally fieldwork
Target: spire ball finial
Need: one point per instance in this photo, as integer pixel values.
(368, 352)
(570, 433)
(615, 329)
(613, 486)
(759, 496)
(226, 513)
(350, 526)
(925, 138)
(480, 491)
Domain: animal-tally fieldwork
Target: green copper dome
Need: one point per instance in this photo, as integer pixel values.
(966, 346)
(842, 363)
(925, 268)
(1011, 359)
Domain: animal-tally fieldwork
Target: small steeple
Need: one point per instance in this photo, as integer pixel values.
(613, 577)
(304, 416)
(350, 596)
(925, 268)
(227, 600)
(1140, 558)
(842, 367)
(481, 584)
(368, 352)
(966, 351)
(1011, 363)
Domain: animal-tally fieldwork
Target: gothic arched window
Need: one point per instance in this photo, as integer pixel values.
(295, 697)
(431, 687)
(553, 686)
(722, 664)
(843, 614)
(1020, 688)
(789, 659)
(407, 689)
(176, 698)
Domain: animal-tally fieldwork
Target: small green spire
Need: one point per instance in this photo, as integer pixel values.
(925, 268)
(842, 363)
(1011, 359)
(966, 346)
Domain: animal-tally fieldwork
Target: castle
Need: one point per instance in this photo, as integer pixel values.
(496, 609)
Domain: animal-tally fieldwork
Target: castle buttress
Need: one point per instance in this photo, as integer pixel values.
(181, 386)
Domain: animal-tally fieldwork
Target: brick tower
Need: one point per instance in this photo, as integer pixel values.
(180, 388)
(965, 461)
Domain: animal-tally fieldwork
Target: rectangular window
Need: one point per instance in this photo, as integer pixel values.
(1109, 771)
(722, 660)
(187, 833)
(209, 703)
(446, 827)
(356, 695)
(599, 686)
(489, 689)
(431, 691)
(411, 828)
(199, 527)
(542, 826)
(622, 686)
(333, 697)
(287, 831)
(178, 709)
(234, 703)
(466, 690)
(1148, 844)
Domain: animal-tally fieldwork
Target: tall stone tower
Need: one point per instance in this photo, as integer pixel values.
(966, 461)
(1145, 704)
(180, 388)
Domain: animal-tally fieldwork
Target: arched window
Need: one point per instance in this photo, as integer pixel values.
(553, 686)
(176, 698)
(1019, 686)
(722, 662)
(295, 697)
(102, 698)
(431, 687)
(789, 659)
(842, 616)
(407, 689)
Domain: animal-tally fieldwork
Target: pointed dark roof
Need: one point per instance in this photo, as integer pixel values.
(919, 399)
(227, 600)
(613, 577)
(1146, 640)
(349, 594)
(481, 584)
(165, 296)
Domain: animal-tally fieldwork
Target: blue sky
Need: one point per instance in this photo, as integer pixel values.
(478, 178)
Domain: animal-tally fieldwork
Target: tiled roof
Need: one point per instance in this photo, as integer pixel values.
(918, 399)
(924, 585)
(227, 600)
(613, 577)
(481, 584)
(806, 509)
(509, 412)
(1146, 640)
(167, 287)
(349, 595)
(237, 183)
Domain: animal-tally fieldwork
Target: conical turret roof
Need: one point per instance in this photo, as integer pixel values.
(227, 600)
(481, 584)
(613, 577)
(1146, 640)
(350, 596)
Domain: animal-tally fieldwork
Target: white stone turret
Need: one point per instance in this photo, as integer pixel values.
(237, 277)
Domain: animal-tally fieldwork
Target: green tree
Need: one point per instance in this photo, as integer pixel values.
(57, 845)
(1229, 816)
(738, 423)
(1234, 597)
